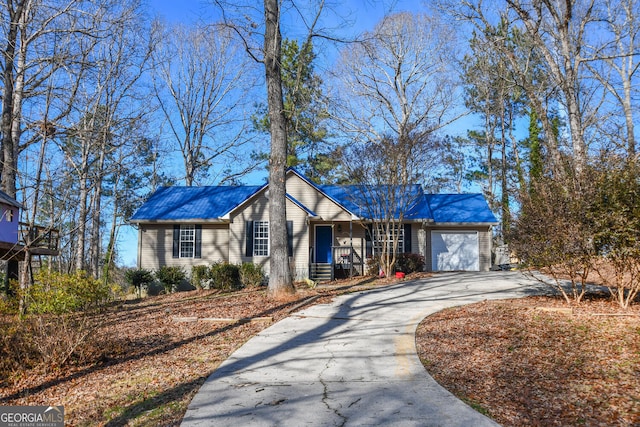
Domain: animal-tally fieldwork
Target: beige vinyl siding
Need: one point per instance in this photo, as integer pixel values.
(315, 200)
(156, 246)
(258, 210)
(414, 239)
(341, 235)
(484, 243)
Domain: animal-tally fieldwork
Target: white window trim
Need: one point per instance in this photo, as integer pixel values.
(261, 225)
(187, 239)
(377, 239)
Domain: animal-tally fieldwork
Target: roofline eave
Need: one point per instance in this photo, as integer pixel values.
(181, 221)
(464, 224)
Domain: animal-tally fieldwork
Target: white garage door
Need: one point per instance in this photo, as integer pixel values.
(455, 251)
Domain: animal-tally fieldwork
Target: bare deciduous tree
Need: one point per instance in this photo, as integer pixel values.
(398, 81)
(386, 189)
(558, 33)
(103, 121)
(202, 82)
(395, 91)
(615, 67)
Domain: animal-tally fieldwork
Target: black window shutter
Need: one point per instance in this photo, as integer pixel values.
(368, 237)
(407, 238)
(176, 241)
(198, 244)
(249, 239)
(290, 237)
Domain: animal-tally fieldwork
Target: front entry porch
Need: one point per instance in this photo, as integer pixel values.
(345, 262)
(337, 251)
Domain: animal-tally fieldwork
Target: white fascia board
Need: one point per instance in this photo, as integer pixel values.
(464, 224)
(183, 221)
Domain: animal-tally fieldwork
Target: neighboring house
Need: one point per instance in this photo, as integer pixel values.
(16, 238)
(327, 227)
(9, 225)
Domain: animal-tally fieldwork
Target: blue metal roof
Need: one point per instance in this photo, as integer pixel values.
(369, 201)
(190, 203)
(211, 203)
(460, 208)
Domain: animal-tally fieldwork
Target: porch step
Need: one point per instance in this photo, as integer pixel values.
(320, 272)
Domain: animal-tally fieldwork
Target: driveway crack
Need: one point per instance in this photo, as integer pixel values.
(325, 391)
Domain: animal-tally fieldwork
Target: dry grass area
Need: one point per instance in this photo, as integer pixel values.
(143, 364)
(538, 362)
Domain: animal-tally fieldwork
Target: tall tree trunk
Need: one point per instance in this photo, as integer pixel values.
(109, 256)
(9, 150)
(628, 114)
(279, 275)
(505, 213)
(82, 219)
(577, 132)
(95, 242)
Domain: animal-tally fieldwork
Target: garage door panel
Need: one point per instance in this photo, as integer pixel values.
(455, 251)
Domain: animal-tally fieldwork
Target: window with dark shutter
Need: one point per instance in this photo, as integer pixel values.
(383, 238)
(249, 239)
(176, 241)
(198, 242)
(290, 237)
(368, 237)
(407, 238)
(260, 238)
(187, 241)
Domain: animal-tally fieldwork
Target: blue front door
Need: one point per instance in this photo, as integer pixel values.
(324, 237)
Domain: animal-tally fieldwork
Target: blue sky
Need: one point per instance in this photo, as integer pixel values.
(364, 13)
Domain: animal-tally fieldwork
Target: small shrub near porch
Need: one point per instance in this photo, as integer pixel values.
(405, 262)
(59, 293)
(251, 275)
(170, 277)
(410, 263)
(200, 276)
(225, 276)
(139, 278)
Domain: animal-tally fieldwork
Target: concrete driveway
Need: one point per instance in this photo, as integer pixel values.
(349, 363)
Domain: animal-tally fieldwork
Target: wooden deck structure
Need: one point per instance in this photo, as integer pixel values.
(37, 240)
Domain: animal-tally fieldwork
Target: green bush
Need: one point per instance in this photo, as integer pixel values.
(409, 263)
(139, 279)
(170, 277)
(199, 275)
(59, 293)
(251, 275)
(225, 276)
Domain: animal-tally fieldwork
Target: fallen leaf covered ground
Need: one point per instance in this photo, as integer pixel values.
(149, 357)
(538, 362)
(520, 364)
